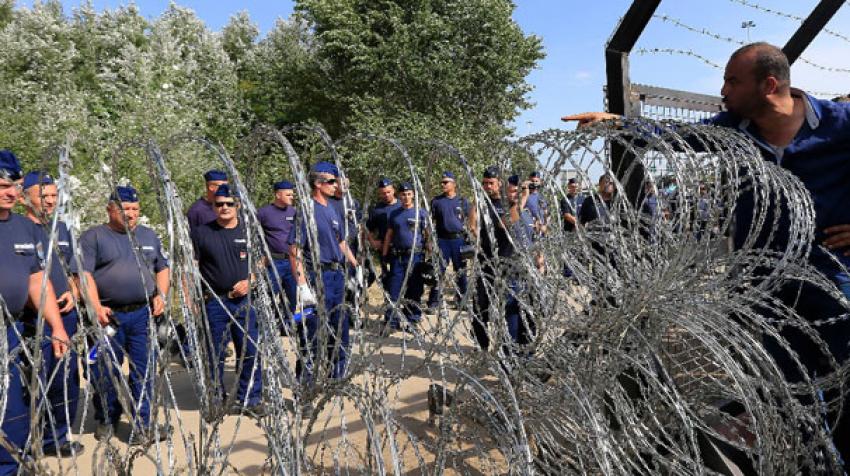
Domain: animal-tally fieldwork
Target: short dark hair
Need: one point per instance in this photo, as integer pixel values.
(312, 177)
(770, 61)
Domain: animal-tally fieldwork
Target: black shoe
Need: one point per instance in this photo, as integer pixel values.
(254, 411)
(142, 437)
(69, 448)
(105, 431)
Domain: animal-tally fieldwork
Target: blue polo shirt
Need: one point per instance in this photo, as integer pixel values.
(537, 206)
(522, 231)
(222, 255)
(570, 204)
(63, 253)
(449, 214)
(200, 213)
(109, 256)
(819, 156)
(379, 218)
(277, 223)
(349, 208)
(19, 258)
(594, 209)
(404, 223)
(502, 246)
(329, 234)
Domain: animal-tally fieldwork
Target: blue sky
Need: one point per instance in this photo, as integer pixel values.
(574, 33)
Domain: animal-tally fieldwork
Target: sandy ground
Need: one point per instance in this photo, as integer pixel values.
(337, 442)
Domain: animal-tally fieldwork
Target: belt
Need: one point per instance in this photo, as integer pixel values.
(132, 307)
(450, 236)
(406, 251)
(280, 256)
(331, 266)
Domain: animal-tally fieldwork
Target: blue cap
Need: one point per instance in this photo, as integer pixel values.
(215, 175)
(283, 185)
(491, 172)
(37, 177)
(384, 182)
(534, 174)
(326, 168)
(513, 179)
(405, 186)
(223, 190)
(9, 166)
(448, 175)
(124, 194)
(572, 180)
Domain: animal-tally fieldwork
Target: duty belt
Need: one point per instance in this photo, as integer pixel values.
(331, 266)
(132, 307)
(450, 236)
(405, 251)
(280, 256)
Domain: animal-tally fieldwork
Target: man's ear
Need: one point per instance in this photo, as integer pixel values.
(770, 85)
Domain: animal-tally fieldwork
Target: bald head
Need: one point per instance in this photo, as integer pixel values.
(767, 60)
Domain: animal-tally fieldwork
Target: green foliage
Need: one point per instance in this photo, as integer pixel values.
(416, 70)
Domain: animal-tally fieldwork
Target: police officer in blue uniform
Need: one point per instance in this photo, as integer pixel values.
(536, 204)
(202, 211)
(349, 208)
(570, 205)
(378, 221)
(404, 249)
(221, 249)
(450, 213)
(503, 224)
(327, 242)
(125, 297)
(277, 219)
(63, 387)
(20, 282)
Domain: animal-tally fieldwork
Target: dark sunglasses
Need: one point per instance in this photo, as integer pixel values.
(330, 181)
(225, 204)
(445, 182)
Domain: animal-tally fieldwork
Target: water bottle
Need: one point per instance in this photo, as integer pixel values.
(110, 330)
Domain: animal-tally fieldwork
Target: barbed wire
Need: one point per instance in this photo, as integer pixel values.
(788, 16)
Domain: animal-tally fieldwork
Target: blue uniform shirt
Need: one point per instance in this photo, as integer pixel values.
(329, 233)
(819, 155)
(537, 206)
(522, 231)
(449, 214)
(19, 258)
(403, 223)
(503, 246)
(352, 213)
(200, 213)
(63, 251)
(277, 223)
(378, 221)
(594, 209)
(108, 255)
(222, 255)
(569, 204)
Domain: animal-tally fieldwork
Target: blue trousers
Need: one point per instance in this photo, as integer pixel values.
(336, 347)
(133, 338)
(520, 330)
(411, 310)
(450, 249)
(16, 419)
(62, 378)
(223, 328)
(284, 270)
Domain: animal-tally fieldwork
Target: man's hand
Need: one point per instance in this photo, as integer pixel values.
(103, 315)
(157, 305)
(839, 237)
(239, 289)
(66, 302)
(305, 295)
(586, 119)
(60, 342)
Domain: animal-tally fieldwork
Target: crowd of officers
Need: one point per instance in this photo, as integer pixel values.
(123, 275)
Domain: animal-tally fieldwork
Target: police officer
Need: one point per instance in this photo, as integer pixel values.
(377, 223)
(125, 297)
(329, 237)
(20, 282)
(277, 219)
(201, 211)
(650, 213)
(536, 204)
(349, 208)
(404, 249)
(569, 213)
(450, 212)
(502, 225)
(63, 386)
(221, 249)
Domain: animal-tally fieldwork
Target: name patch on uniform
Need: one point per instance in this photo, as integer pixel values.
(240, 240)
(147, 248)
(24, 248)
(289, 218)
